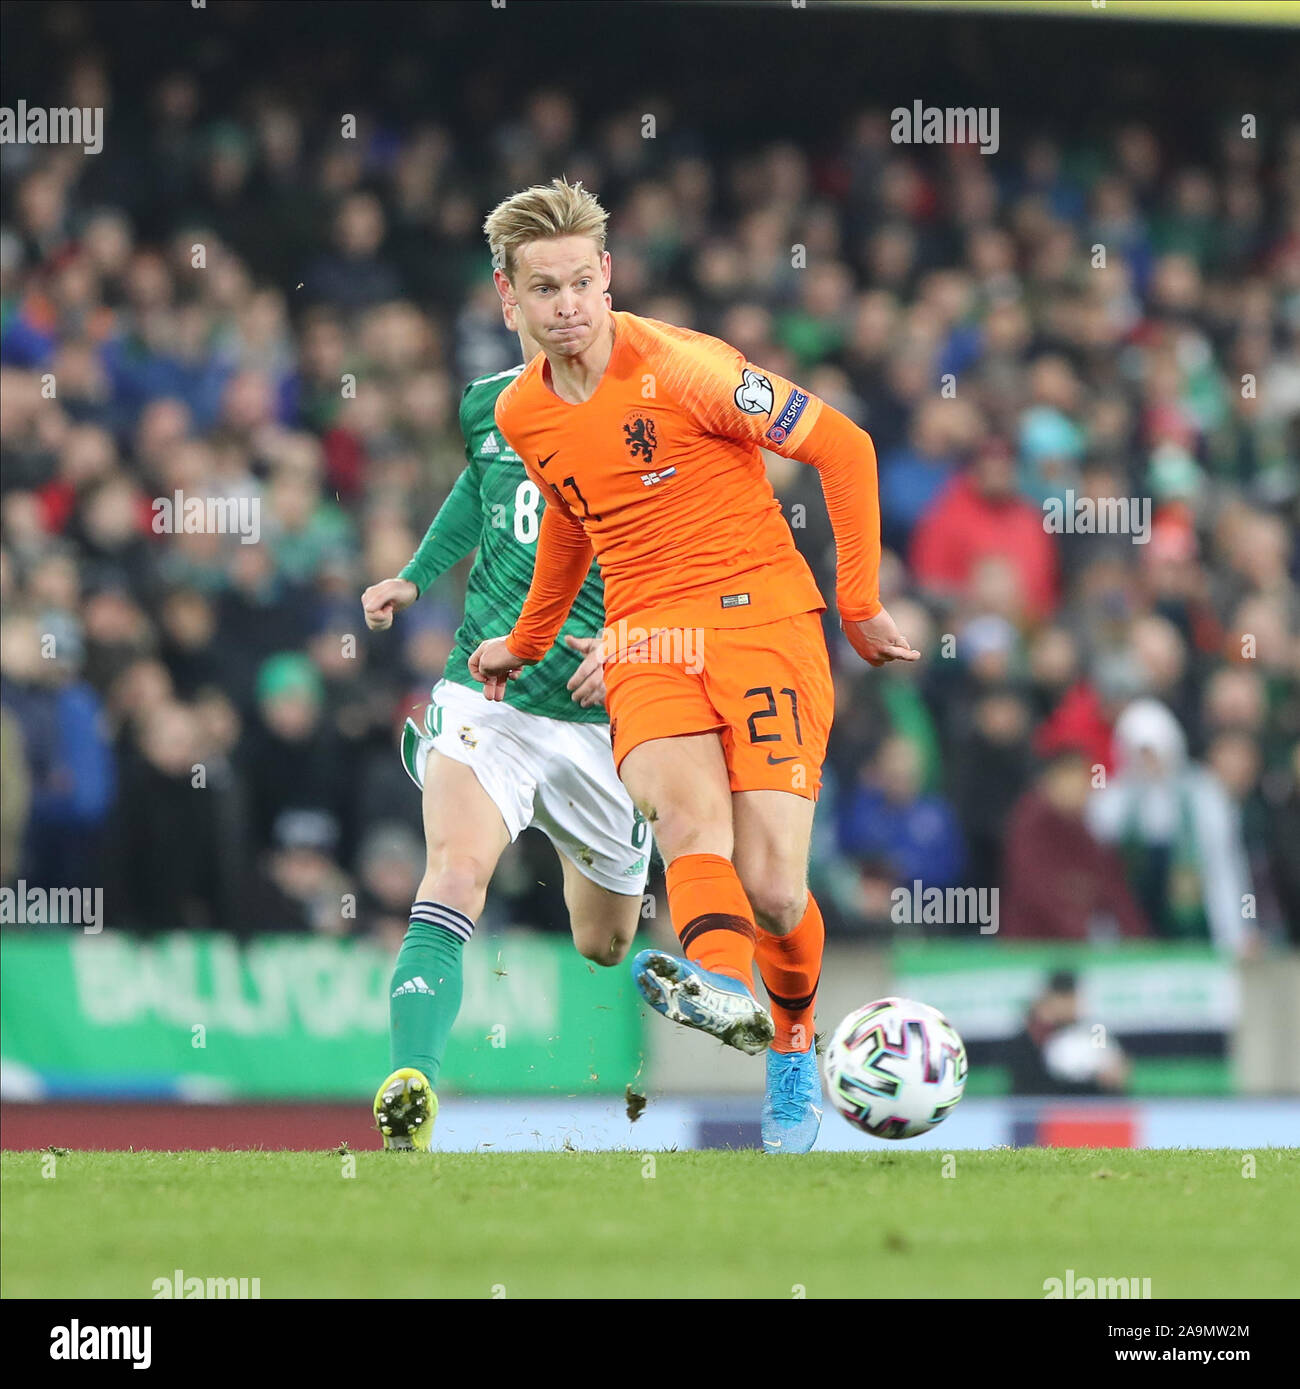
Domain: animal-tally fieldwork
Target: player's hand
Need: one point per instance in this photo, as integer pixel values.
(492, 664)
(877, 640)
(382, 601)
(588, 681)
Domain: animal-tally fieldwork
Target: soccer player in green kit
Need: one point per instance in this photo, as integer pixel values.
(487, 771)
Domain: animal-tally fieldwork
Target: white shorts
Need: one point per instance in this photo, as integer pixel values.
(551, 773)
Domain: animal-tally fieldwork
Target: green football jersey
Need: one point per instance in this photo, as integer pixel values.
(510, 508)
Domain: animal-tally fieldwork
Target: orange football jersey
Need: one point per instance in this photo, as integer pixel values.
(660, 473)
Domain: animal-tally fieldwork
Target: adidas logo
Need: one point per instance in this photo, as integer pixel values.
(413, 986)
(490, 444)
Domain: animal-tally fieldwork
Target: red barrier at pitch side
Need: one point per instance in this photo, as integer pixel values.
(116, 1127)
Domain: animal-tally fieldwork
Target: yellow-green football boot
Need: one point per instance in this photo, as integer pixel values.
(405, 1109)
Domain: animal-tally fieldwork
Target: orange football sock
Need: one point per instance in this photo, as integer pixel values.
(791, 967)
(712, 915)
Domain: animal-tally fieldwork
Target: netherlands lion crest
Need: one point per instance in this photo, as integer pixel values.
(640, 437)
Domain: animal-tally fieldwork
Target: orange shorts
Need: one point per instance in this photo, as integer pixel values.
(766, 690)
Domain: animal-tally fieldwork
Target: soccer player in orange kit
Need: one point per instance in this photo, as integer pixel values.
(646, 439)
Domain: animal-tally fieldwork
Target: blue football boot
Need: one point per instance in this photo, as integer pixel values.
(714, 1003)
(792, 1106)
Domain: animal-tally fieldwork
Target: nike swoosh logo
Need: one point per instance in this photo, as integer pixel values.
(775, 761)
(542, 462)
(768, 1143)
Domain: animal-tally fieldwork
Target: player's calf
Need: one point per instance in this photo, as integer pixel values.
(604, 922)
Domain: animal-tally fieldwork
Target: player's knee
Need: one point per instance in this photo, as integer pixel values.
(679, 834)
(457, 880)
(778, 904)
(604, 948)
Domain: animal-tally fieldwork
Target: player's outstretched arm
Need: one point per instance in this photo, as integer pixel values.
(845, 459)
(739, 400)
(560, 568)
(452, 534)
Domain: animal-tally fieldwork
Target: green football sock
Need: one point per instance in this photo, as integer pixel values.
(427, 987)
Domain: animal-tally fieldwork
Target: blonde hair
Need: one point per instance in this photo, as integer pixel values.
(541, 213)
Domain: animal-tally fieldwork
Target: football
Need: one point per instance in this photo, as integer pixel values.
(895, 1068)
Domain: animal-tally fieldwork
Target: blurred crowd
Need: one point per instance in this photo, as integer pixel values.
(255, 305)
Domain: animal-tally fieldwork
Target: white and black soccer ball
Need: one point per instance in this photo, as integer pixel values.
(895, 1068)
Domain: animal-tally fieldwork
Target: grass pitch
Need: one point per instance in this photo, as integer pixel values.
(627, 1224)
